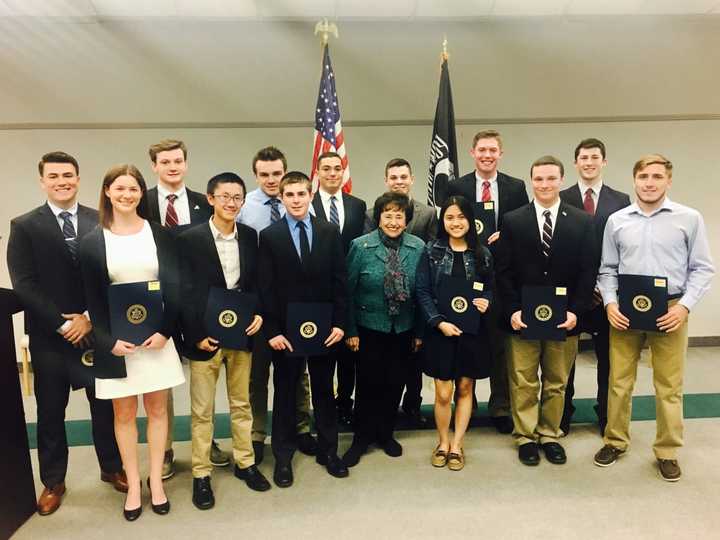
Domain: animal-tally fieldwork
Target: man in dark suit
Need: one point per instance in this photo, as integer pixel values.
(599, 200)
(221, 254)
(43, 263)
(301, 260)
(423, 224)
(174, 206)
(548, 243)
(348, 214)
(486, 184)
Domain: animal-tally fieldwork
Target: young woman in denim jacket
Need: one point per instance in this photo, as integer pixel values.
(451, 356)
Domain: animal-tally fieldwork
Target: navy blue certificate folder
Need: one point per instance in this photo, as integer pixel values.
(455, 296)
(227, 315)
(543, 308)
(136, 310)
(308, 326)
(642, 299)
(485, 220)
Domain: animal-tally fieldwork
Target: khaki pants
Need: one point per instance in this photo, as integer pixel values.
(538, 420)
(668, 363)
(203, 382)
(259, 378)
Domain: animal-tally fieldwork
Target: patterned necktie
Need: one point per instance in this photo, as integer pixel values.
(547, 234)
(274, 210)
(171, 217)
(68, 230)
(486, 195)
(588, 203)
(304, 244)
(334, 216)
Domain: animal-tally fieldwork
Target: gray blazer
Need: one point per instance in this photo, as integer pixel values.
(423, 223)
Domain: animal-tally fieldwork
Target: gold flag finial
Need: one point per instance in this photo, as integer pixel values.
(445, 54)
(325, 28)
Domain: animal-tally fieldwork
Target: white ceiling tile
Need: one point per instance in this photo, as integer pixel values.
(677, 7)
(135, 8)
(216, 8)
(287, 9)
(454, 8)
(529, 7)
(375, 8)
(49, 8)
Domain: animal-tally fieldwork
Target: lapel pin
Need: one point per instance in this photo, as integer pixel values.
(196, 207)
(564, 214)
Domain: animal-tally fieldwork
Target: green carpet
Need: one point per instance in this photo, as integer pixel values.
(695, 406)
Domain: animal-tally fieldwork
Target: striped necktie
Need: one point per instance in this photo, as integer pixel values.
(486, 195)
(334, 216)
(171, 217)
(547, 234)
(68, 230)
(274, 209)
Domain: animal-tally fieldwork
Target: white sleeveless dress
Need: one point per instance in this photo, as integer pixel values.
(132, 258)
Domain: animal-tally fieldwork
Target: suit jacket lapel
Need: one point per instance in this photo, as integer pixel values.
(212, 255)
(288, 241)
(601, 211)
(50, 223)
(559, 230)
(86, 222)
(317, 205)
(153, 205)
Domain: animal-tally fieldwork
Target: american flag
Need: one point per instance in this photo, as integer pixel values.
(328, 128)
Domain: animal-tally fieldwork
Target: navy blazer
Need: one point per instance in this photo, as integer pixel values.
(354, 217)
(200, 270)
(93, 262)
(200, 209)
(573, 261)
(511, 192)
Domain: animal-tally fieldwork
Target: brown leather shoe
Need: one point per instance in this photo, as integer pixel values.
(669, 470)
(117, 479)
(50, 499)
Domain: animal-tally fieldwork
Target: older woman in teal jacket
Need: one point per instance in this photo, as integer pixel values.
(381, 322)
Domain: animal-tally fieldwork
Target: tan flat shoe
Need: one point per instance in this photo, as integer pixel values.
(456, 462)
(439, 457)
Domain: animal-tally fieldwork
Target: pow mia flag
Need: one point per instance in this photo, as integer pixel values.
(443, 146)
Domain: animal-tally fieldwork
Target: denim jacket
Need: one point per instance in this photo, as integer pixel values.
(436, 261)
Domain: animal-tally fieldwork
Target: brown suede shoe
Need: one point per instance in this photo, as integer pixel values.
(50, 499)
(669, 470)
(117, 479)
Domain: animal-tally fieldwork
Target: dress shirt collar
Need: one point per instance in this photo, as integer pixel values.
(540, 211)
(293, 222)
(163, 192)
(56, 210)
(480, 179)
(263, 197)
(325, 196)
(667, 205)
(596, 187)
(218, 235)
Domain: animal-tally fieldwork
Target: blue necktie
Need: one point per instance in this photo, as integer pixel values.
(334, 216)
(304, 244)
(68, 230)
(274, 210)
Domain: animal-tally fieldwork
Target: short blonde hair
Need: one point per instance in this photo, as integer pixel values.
(653, 159)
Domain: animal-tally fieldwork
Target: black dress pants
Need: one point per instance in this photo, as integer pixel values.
(52, 391)
(599, 329)
(413, 382)
(286, 374)
(346, 377)
(381, 369)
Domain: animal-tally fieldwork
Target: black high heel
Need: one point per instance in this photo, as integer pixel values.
(133, 514)
(162, 508)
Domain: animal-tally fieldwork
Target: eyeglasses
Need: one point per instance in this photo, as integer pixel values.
(225, 198)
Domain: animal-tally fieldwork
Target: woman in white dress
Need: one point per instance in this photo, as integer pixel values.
(126, 248)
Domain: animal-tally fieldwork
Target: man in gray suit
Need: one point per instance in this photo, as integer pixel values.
(399, 179)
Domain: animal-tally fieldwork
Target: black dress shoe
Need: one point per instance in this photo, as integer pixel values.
(202, 496)
(354, 453)
(253, 478)
(132, 515)
(554, 453)
(259, 451)
(415, 419)
(162, 508)
(528, 453)
(283, 475)
(306, 444)
(392, 448)
(503, 424)
(334, 465)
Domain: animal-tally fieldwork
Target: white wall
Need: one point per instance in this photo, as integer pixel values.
(621, 80)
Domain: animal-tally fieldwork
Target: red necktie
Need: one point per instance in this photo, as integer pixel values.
(486, 196)
(171, 217)
(588, 203)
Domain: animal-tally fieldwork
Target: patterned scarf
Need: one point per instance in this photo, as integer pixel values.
(394, 280)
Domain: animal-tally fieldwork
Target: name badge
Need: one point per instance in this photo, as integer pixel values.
(659, 282)
(478, 286)
(489, 205)
(153, 285)
(560, 291)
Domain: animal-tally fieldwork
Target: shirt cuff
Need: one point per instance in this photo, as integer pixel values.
(63, 327)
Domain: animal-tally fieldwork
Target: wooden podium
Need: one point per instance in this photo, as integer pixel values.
(17, 498)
